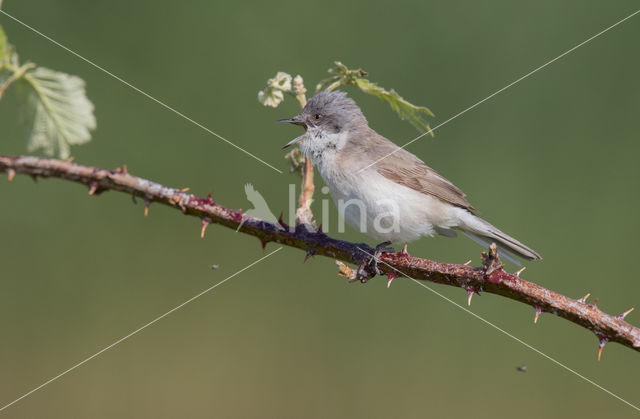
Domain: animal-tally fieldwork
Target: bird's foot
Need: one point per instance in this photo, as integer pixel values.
(491, 261)
(369, 267)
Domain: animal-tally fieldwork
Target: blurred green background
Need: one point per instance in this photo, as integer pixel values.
(552, 161)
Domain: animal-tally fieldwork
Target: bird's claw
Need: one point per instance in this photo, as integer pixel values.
(369, 267)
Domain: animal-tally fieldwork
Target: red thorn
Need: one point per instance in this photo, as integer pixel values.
(390, 277)
(404, 250)
(603, 341)
(539, 311)
(281, 222)
(205, 224)
(584, 299)
(11, 173)
(623, 315)
(467, 262)
(94, 188)
(263, 243)
(210, 194)
(146, 208)
(595, 303)
(470, 292)
(520, 271)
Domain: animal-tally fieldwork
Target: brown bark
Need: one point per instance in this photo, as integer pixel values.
(490, 278)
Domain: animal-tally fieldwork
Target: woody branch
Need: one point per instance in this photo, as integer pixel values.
(490, 278)
(303, 213)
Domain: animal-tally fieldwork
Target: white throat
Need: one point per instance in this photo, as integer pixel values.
(321, 147)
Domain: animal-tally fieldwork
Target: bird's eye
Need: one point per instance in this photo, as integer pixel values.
(317, 116)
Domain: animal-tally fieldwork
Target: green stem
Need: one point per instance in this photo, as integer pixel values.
(18, 73)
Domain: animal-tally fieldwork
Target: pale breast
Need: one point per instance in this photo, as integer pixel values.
(372, 203)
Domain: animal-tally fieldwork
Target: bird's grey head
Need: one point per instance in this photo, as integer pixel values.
(329, 113)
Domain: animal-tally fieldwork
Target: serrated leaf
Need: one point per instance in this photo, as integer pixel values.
(414, 114)
(342, 76)
(55, 110)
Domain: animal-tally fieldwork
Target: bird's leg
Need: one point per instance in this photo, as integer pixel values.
(371, 264)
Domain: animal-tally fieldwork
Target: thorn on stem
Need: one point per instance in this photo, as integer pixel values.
(281, 222)
(93, 189)
(205, 224)
(183, 190)
(124, 169)
(539, 310)
(467, 262)
(470, 292)
(404, 250)
(263, 243)
(520, 271)
(70, 159)
(603, 341)
(390, 277)
(623, 315)
(11, 173)
(584, 299)
(309, 253)
(146, 207)
(210, 194)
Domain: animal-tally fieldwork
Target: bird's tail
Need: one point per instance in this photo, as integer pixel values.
(484, 233)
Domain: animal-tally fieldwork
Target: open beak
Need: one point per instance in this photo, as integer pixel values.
(292, 142)
(294, 121)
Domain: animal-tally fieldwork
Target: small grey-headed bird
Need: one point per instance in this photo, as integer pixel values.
(382, 189)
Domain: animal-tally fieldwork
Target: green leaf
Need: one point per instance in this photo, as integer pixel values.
(344, 76)
(55, 110)
(414, 114)
(3, 43)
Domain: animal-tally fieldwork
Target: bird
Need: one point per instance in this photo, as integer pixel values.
(382, 189)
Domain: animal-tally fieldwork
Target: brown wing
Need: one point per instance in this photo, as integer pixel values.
(406, 169)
